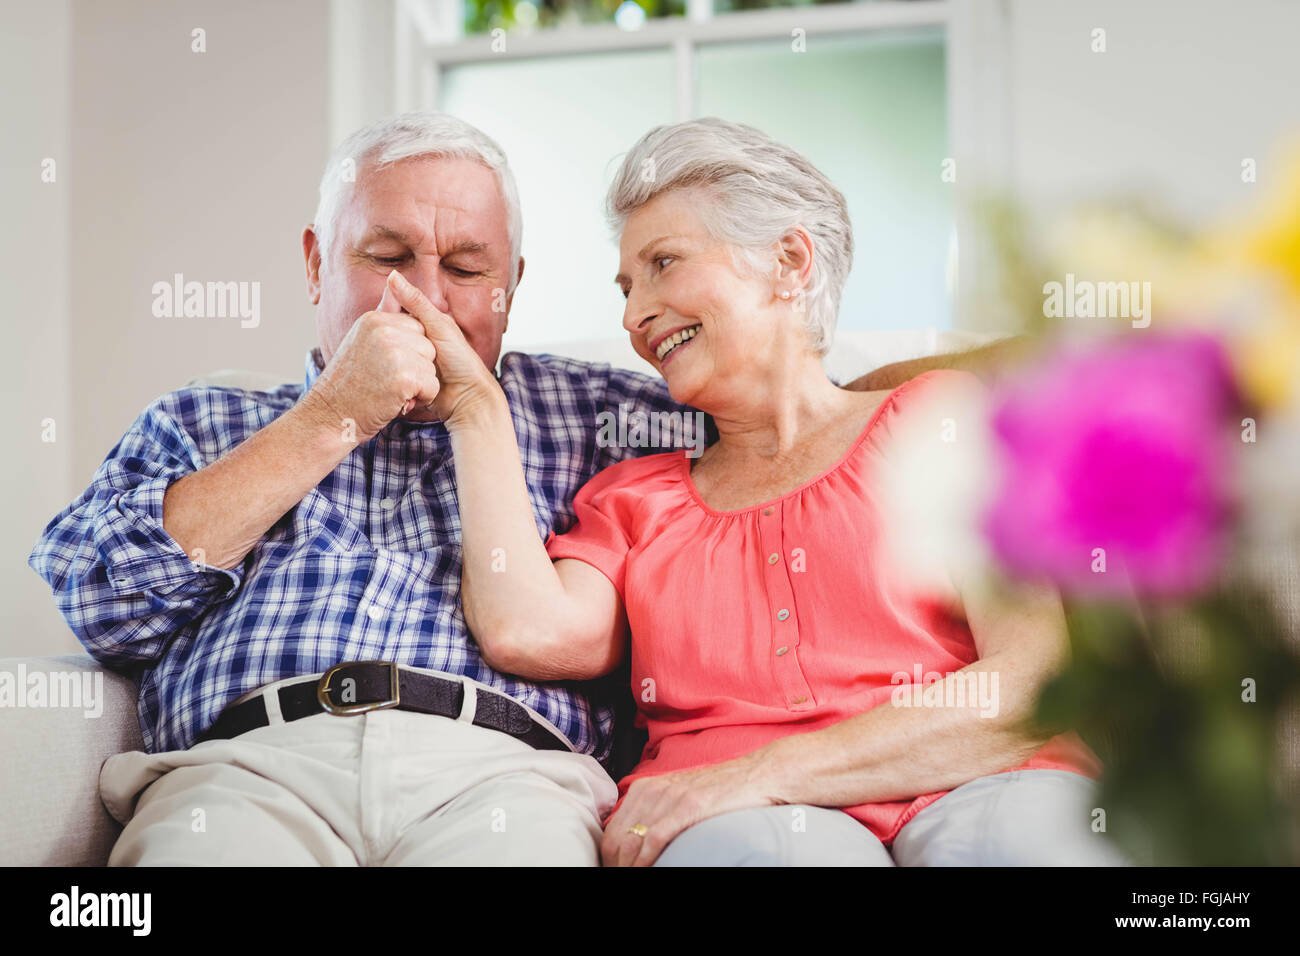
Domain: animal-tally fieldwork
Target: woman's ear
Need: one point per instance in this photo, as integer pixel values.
(795, 255)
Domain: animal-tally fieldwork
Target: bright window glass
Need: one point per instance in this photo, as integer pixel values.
(868, 110)
(870, 113)
(564, 123)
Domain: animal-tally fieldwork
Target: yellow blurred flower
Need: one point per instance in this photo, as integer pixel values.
(1268, 236)
(1240, 278)
(1190, 283)
(1268, 361)
(1266, 240)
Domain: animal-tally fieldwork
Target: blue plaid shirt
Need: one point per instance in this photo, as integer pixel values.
(366, 566)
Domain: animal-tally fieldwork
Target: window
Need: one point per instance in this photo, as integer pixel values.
(860, 88)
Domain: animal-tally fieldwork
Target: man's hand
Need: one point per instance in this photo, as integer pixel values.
(405, 358)
(464, 386)
(667, 804)
(383, 368)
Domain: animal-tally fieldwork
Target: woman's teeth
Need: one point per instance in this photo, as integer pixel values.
(674, 340)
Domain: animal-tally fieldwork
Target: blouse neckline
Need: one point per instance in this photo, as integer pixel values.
(689, 482)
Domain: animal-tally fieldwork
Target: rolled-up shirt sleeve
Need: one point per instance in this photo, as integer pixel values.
(121, 582)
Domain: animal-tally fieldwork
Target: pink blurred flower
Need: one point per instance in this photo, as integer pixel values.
(1125, 446)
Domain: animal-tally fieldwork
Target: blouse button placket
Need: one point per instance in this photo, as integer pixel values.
(784, 653)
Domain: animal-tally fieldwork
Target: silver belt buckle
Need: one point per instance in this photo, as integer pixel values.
(343, 710)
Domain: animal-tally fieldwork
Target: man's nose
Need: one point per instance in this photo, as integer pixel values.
(429, 279)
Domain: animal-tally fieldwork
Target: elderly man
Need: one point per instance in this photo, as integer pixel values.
(279, 570)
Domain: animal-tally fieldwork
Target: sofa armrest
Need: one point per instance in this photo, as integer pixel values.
(54, 743)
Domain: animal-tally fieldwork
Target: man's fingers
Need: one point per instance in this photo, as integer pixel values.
(389, 302)
(427, 390)
(419, 342)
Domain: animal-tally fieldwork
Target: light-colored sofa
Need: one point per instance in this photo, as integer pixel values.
(52, 813)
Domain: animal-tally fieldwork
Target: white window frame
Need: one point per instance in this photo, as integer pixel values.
(428, 36)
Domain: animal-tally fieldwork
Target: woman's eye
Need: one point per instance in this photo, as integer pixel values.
(462, 273)
(662, 261)
(390, 260)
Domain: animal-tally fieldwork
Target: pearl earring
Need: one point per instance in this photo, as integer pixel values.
(785, 294)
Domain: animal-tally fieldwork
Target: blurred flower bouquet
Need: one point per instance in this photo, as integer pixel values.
(1145, 459)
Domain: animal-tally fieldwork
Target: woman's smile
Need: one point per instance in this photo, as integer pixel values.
(674, 343)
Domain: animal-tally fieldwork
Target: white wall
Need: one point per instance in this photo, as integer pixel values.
(204, 164)
(360, 61)
(168, 161)
(1185, 90)
(37, 480)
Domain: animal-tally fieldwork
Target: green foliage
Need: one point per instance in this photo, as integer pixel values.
(1192, 769)
(482, 16)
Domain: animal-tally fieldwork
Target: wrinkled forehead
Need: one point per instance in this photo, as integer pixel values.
(439, 195)
(680, 212)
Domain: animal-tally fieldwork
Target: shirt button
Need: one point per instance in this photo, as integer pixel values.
(773, 558)
(374, 613)
(767, 511)
(387, 504)
(781, 651)
(782, 614)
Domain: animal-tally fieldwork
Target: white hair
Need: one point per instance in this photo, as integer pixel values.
(758, 191)
(421, 133)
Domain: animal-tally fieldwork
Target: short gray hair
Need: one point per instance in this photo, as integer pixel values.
(416, 134)
(760, 190)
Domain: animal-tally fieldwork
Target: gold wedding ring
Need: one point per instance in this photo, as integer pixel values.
(639, 829)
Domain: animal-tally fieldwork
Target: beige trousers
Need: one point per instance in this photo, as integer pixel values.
(387, 788)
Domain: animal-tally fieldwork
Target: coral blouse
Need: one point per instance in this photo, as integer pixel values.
(778, 619)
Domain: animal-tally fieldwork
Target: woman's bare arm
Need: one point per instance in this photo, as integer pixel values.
(894, 752)
(531, 617)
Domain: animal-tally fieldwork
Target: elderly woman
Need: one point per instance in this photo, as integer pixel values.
(765, 623)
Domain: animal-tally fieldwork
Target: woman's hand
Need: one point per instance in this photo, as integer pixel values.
(667, 804)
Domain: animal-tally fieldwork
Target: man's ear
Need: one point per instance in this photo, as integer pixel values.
(519, 277)
(311, 253)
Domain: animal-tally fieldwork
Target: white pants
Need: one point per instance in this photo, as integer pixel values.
(387, 788)
(1020, 818)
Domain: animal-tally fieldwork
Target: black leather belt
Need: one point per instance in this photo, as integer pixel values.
(358, 687)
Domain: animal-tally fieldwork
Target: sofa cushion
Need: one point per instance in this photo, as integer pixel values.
(50, 789)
